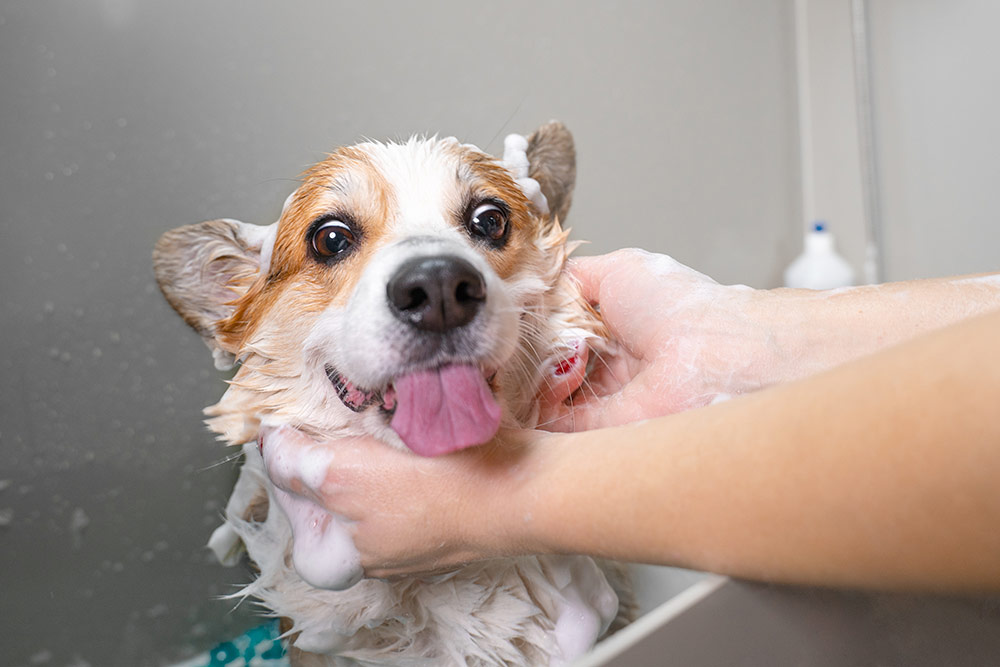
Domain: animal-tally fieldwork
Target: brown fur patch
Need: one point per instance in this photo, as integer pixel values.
(346, 184)
(491, 179)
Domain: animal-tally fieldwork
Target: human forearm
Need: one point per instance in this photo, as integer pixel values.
(817, 330)
(881, 473)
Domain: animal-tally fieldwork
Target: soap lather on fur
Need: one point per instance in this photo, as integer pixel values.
(414, 292)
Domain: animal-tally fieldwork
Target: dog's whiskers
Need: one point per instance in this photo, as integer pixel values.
(599, 358)
(228, 459)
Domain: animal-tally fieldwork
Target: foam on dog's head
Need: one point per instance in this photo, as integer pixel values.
(515, 158)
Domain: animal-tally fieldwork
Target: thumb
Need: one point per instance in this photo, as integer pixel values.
(294, 461)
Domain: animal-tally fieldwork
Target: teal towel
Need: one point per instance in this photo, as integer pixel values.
(257, 647)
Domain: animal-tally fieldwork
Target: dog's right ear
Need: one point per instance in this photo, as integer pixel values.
(552, 162)
(202, 269)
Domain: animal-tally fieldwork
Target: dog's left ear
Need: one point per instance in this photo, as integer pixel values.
(552, 162)
(202, 269)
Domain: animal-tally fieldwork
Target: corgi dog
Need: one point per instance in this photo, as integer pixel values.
(415, 292)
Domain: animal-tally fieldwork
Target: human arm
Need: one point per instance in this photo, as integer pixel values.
(881, 472)
(681, 340)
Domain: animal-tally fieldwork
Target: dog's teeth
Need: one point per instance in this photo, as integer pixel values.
(355, 399)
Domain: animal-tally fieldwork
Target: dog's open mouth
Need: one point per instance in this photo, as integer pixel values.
(434, 411)
(358, 399)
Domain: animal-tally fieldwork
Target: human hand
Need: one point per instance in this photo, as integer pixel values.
(680, 341)
(406, 514)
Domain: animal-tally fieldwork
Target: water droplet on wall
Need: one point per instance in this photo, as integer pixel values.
(157, 610)
(41, 657)
(78, 522)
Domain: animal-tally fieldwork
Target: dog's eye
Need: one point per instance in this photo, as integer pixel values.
(331, 239)
(488, 221)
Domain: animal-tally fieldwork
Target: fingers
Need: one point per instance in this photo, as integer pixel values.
(332, 473)
(565, 376)
(301, 465)
(389, 498)
(294, 461)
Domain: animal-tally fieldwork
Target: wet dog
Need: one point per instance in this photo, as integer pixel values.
(415, 292)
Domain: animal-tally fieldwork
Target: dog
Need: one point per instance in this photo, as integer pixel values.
(416, 292)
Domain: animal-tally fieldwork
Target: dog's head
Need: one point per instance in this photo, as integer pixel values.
(411, 290)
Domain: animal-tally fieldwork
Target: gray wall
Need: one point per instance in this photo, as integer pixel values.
(936, 81)
(121, 119)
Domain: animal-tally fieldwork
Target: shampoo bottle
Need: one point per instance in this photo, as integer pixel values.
(819, 266)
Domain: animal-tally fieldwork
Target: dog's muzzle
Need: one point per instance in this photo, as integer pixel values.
(443, 401)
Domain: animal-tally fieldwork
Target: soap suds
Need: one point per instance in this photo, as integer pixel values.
(515, 159)
(587, 608)
(323, 552)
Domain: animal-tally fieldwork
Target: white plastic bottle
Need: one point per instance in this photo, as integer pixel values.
(819, 266)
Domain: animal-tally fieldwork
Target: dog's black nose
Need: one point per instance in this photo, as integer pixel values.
(437, 293)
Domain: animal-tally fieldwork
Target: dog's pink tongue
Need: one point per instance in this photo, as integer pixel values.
(444, 410)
